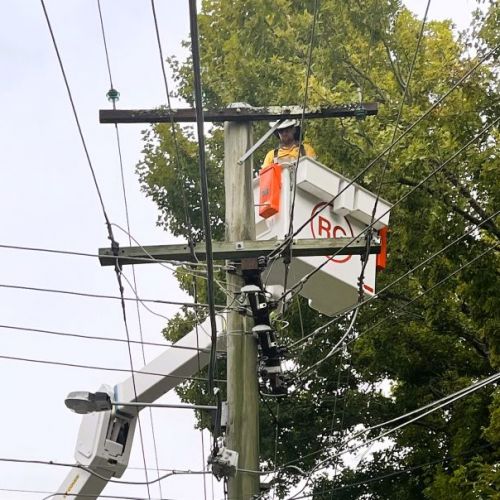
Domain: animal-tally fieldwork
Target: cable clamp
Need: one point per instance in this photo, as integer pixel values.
(115, 250)
(224, 463)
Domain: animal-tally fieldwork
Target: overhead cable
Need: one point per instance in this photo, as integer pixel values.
(400, 111)
(417, 297)
(393, 473)
(80, 495)
(205, 212)
(430, 408)
(99, 338)
(301, 129)
(279, 249)
(394, 282)
(113, 297)
(433, 407)
(113, 242)
(308, 276)
(172, 472)
(103, 368)
(145, 259)
(422, 294)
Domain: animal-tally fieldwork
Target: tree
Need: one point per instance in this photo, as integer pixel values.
(256, 51)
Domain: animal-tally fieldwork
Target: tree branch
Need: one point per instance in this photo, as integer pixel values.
(472, 202)
(452, 205)
(476, 344)
(381, 94)
(395, 70)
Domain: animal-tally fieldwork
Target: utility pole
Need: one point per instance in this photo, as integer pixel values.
(242, 384)
(242, 427)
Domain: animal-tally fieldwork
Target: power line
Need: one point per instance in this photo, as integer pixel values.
(279, 249)
(187, 265)
(413, 300)
(431, 407)
(422, 294)
(204, 464)
(333, 350)
(112, 297)
(75, 114)
(80, 495)
(170, 473)
(304, 105)
(301, 283)
(303, 280)
(147, 257)
(436, 405)
(369, 235)
(180, 165)
(195, 51)
(400, 112)
(98, 338)
(103, 368)
(114, 243)
(182, 171)
(394, 473)
(446, 401)
(397, 280)
(419, 296)
(134, 291)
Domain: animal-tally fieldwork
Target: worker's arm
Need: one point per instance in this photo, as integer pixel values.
(268, 159)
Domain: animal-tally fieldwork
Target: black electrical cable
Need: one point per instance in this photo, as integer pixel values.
(114, 243)
(146, 259)
(303, 280)
(289, 249)
(75, 114)
(184, 200)
(170, 473)
(417, 297)
(279, 249)
(113, 297)
(103, 368)
(400, 111)
(397, 280)
(395, 473)
(434, 406)
(99, 338)
(422, 294)
(127, 218)
(80, 495)
(195, 50)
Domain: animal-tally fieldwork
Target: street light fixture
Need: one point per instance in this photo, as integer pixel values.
(84, 402)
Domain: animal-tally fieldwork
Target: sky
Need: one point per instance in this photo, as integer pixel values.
(48, 200)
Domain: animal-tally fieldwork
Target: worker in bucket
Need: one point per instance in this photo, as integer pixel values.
(288, 133)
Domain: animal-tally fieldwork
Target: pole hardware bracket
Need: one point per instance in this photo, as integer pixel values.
(224, 463)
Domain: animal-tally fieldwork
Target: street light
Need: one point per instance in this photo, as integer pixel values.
(83, 402)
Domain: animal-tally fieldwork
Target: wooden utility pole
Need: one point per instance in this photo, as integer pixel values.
(242, 384)
(242, 369)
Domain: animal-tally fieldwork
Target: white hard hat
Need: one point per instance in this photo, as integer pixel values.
(286, 124)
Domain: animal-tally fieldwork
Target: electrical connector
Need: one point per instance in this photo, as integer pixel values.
(224, 463)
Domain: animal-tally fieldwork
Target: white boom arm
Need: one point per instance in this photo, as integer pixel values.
(105, 438)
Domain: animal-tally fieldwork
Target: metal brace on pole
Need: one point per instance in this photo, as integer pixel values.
(259, 143)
